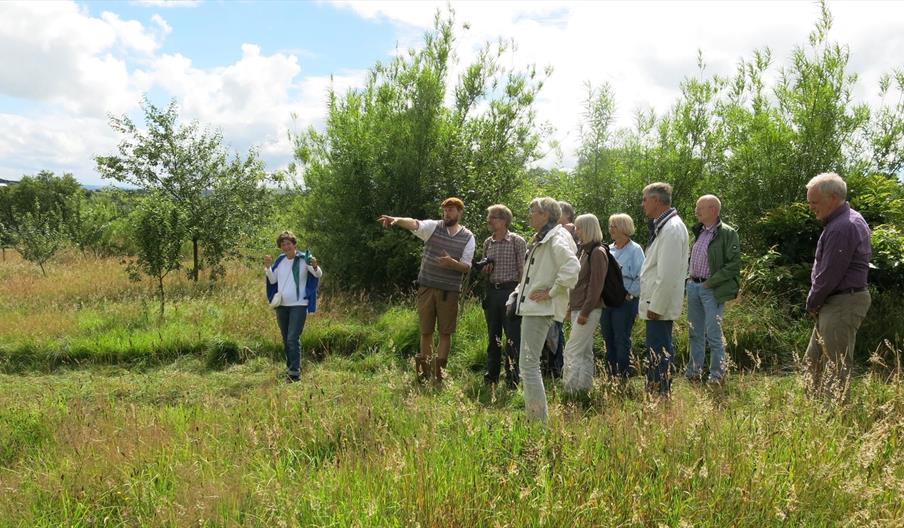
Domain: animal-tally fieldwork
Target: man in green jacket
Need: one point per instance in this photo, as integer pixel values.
(715, 270)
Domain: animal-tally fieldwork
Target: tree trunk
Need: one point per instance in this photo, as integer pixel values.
(195, 269)
(162, 298)
(42, 268)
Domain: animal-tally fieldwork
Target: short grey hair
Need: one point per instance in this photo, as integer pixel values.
(829, 184)
(590, 228)
(567, 210)
(717, 203)
(547, 205)
(623, 222)
(662, 191)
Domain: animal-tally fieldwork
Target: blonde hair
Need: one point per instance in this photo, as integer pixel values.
(623, 222)
(590, 228)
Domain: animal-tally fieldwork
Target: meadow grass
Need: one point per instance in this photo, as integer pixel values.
(109, 417)
(358, 443)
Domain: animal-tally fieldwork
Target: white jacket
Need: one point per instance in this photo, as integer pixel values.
(664, 272)
(552, 263)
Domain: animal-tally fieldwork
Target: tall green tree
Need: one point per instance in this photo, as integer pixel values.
(409, 138)
(219, 196)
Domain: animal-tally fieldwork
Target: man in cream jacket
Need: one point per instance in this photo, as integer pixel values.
(662, 280)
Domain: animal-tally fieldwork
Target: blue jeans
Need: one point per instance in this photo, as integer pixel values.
(704, 321)
(291, 322)
(660, 352)
(616, 325)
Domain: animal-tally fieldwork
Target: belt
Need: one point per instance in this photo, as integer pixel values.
(698, 280)
(509, 285)
(849, 290)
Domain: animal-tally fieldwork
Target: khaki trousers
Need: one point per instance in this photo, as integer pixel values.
(830, 353)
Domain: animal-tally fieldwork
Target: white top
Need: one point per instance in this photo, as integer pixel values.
(282, 276)
(425, 229)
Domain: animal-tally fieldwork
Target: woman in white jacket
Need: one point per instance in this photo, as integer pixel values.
(550, 271)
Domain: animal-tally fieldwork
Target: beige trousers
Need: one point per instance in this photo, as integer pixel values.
(830, 354)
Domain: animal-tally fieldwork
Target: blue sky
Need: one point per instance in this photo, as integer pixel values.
(247, 67)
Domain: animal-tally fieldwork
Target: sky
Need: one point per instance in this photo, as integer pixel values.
(260, 70)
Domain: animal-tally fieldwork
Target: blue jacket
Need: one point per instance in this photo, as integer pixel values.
(310, 287)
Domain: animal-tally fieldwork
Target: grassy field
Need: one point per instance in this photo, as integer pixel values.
(109, 417)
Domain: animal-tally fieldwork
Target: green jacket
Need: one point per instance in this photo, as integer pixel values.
(724, 255)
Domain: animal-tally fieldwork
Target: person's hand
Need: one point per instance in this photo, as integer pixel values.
(487, 269)
(314, 262)
(582, 320)
(446, 261)
(268, 260)
(386, 220)
(653, 316)
(540, 295)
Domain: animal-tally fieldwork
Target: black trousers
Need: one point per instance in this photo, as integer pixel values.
(501, 352)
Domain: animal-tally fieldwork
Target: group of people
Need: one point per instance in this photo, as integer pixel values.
(567, 271)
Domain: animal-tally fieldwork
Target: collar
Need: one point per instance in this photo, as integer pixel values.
(507, 237)
(842, 209)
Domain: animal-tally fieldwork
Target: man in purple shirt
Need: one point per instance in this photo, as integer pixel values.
(839, 297)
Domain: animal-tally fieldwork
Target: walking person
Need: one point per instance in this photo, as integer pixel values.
(662, 280)
(541, 298)
(585, 304)
(715, 278)
(503, 255)
(617, 323)
(292, 280)
(448, 251)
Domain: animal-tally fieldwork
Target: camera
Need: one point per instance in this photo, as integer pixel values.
(480, 264)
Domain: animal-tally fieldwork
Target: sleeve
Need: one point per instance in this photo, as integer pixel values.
(271, 277)
(316, 272)
(731, 266)
(835, 256)
(468, 254)
(425, 228)
(520, 255)
(598, 269)
(568, 266)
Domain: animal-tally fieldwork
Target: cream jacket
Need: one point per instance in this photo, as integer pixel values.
(664, 272)
(552, 263)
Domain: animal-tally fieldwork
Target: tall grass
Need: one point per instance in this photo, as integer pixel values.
(113, 417)
(182, 445)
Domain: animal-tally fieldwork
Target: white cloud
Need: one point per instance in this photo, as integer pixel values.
(165, 28)
(79, 65)
(645, 49)
(57, 53)
(77, 68)
(167, 3)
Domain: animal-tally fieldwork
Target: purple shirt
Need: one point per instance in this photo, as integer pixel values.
(842, 256)
(700, 253)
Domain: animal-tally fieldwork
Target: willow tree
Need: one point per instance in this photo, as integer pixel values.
(410, 137)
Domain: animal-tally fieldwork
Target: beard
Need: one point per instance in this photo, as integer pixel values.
(449, 222)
